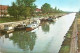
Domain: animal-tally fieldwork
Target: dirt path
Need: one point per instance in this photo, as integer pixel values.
(73, 48)
(78, 34)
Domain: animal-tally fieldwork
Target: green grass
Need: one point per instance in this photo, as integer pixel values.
(65, 49)
(9, 19)
(78, 15)
(68, 35)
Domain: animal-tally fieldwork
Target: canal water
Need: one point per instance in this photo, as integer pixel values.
(47, 38)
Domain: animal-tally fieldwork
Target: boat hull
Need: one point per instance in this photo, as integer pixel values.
(20, 28)
(29, 29)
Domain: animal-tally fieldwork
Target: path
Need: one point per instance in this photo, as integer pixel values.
(78, 25)
(73, 48)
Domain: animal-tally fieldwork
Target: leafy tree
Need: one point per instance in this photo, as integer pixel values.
(27, 7)
(26, 12)
(13, 10)
(32, 10)
(46, 8)
(28, 2)
(79, 12)
(22, 8)
(56, 10)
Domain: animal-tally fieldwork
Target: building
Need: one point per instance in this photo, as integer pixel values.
(3, 10)
(38, 10)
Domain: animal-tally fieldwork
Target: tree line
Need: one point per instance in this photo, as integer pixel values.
(22, 8)
(46, 8)
(26, 8)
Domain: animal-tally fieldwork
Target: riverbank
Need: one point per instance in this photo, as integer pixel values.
(15, 22)
(65, 48)
(78, 26)
(9, 19)
(12, 19)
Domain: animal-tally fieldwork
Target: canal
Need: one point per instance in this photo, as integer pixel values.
(47, 38)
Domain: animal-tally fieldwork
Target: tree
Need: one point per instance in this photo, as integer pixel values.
(28, 2)
(32, 10)
(13, 10)
(29, 7)
(79, 12)
(22, 8)
(46, 8)
(56, 10)
(26, 12)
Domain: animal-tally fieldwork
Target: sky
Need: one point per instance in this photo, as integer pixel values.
(65, 5)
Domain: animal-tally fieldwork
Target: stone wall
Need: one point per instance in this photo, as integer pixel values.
(14, 24)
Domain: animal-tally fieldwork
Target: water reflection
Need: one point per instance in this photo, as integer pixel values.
(46, 26)
(1, 34)
(24, 40)
(8, 35)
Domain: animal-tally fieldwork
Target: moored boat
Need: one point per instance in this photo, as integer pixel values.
(8, 29)
(20, 27)
(50, 19)
(33, 25)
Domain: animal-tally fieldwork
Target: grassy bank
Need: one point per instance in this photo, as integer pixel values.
(12, 19)
(78, 26)
(9, 19)
(65, 48)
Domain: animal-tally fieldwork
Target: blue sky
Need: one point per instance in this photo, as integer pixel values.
(66, 5)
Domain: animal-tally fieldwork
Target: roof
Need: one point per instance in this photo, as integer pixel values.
(38, 9)
(2, 7)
